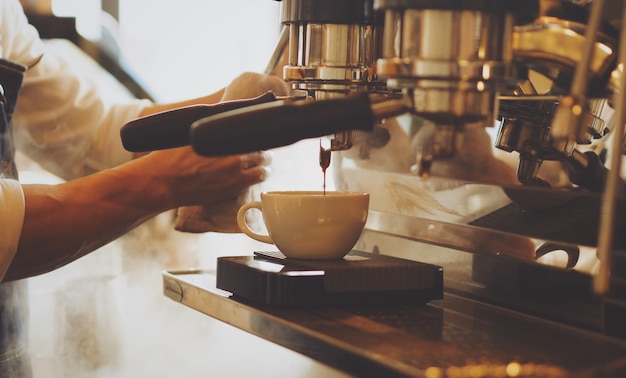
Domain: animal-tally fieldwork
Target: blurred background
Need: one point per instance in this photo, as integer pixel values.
(174, 49)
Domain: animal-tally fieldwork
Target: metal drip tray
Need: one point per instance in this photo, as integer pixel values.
(448, 337)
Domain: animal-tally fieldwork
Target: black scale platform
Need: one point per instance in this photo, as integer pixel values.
(359, 278)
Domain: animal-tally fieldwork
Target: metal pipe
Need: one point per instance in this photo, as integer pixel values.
(581, 74)
(607, 216)
(283, 41)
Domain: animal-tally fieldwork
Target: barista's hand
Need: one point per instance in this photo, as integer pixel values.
(66, 221)
(191, 179)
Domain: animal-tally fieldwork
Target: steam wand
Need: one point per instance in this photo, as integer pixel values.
(607, 218)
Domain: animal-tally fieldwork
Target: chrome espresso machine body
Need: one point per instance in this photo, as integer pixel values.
(511, 66)
(543, 78)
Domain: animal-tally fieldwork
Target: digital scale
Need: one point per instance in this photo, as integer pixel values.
(359, 278)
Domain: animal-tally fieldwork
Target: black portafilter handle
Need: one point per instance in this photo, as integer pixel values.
(277, 124)
(170, 129)
(587, 170)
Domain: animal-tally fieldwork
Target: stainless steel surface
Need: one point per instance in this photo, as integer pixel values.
(576, 56)
(446, 211)
(336, 66)
(470, 238)
(526, 128)
(452, 337)
(552, 45)
(452, 74)
(554, 115)
(332, 59)
(580, 80)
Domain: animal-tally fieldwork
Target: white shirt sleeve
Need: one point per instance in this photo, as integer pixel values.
(11, 221)
(61, 119)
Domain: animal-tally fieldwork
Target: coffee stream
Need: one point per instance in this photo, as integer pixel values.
(425, 165)
(324, 161)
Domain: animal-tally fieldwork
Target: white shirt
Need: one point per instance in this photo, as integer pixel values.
(60, 120)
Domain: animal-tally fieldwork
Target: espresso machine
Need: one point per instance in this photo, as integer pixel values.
(527, 229)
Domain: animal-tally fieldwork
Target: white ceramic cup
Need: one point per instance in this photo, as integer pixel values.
(309, 224)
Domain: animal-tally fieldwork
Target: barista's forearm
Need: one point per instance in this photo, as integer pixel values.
(67, 221)
(156, 108)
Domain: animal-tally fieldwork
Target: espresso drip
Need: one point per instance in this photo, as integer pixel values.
(425, 165)
(324, 162)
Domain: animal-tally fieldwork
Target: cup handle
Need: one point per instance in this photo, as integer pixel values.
(243, 226)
